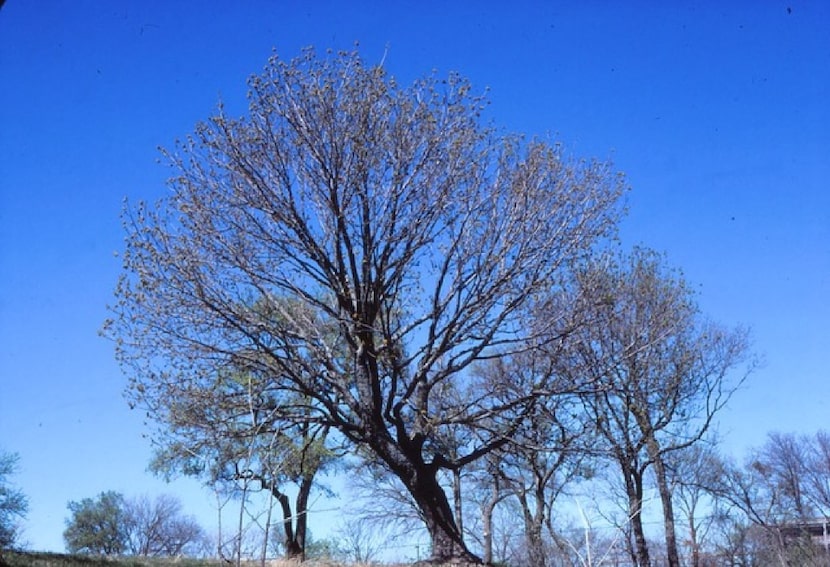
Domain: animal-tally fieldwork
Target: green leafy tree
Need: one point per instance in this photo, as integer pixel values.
(111, 524)
(97, 526)
(13, 503)
(236, 430)
(392, 215)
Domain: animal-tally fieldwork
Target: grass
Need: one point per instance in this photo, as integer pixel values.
(39, 559)
(43, 559)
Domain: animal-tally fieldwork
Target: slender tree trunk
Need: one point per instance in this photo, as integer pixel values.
(456, 492)
(487, 527)
(634, 488)
(693, 542)
(672, 555)
(488, 508)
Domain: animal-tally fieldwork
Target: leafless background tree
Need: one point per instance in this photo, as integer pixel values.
(660, 372)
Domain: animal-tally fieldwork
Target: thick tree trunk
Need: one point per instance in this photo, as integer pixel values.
(535, 546)
(295, 526)
(447, 542)
(293, 550)
(302, 514)
(533, 524)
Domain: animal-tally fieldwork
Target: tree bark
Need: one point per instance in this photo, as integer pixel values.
(634, 488)
(292, 547)
(693, 542)
(302, 513)
(533, 524)
(295, 528)
(487, 527)
(447, 541)
(672, 555)
(457, 500)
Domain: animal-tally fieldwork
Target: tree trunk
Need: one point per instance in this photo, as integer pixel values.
(447, 542)
(487, 527)
(302, 513)
(487, 510)
(533, 524)
(535, 546)
(456, 493)
(693, 542)
(672, 555)
(292, 547)
(634, 488)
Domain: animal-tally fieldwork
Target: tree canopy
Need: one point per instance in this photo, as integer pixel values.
(111, 524)
(360, 245)
(13, 502)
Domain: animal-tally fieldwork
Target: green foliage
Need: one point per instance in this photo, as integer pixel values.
(13, 503)
(325, 549)
(97, 526)
(113, 525)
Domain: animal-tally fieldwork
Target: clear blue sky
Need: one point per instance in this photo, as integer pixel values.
(719, 112)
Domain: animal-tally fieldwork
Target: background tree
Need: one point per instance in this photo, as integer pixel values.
(394, 217)
(695, 474)
(111, 524)
(546, 453)
(97, 526)
(361, 541)
(817, 471)
(660, 373)
(158, 527)
(233, 433)
(778, 489)
(13, 503)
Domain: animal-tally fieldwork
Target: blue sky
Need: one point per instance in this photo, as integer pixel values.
(717, 112)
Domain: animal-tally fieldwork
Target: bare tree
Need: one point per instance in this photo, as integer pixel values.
(159, 528)
(546, 453)
(777, 491)
(695, 474)
(361, 540)
(395, 218)
(818, 471)
(661, 373)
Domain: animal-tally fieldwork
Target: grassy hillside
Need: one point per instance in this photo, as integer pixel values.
(32, 559)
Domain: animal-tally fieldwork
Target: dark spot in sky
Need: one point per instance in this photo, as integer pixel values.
(733, 218)
(789, 10)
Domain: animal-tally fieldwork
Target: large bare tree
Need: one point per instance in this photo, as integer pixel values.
(392, 215)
